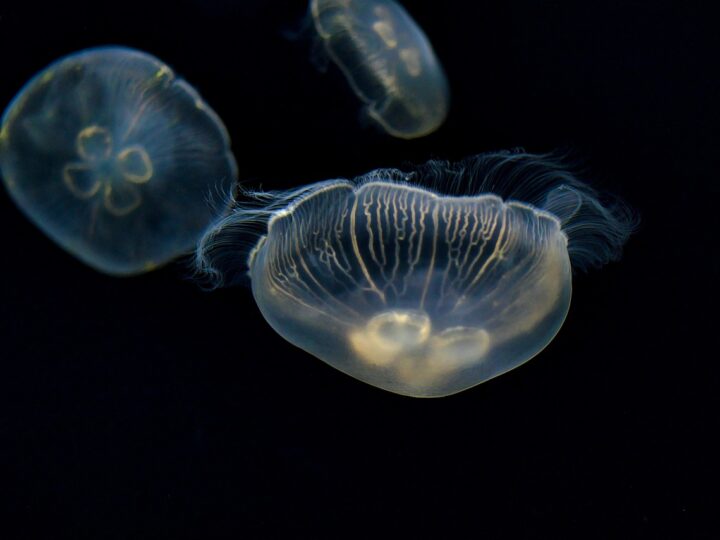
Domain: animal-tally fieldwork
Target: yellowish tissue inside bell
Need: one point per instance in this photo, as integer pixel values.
(403, 341)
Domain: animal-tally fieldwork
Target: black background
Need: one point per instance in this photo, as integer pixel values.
(148, 408)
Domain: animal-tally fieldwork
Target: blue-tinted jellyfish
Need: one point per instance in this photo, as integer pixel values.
(115, 159)
(388, 61)
(414, 291)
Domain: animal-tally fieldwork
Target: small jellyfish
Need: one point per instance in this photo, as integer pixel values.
(388, 61)
(115, 159)
(414, 291)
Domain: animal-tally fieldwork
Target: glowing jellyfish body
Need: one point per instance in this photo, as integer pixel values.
(115, 159)
(420, 293)
(388, 61)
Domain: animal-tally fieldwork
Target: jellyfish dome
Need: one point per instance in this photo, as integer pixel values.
(414, 291)
(116, 159)
(388, 61)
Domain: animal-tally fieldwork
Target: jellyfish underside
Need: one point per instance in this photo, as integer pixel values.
(115, 159)
(388, 61)
(412, 292)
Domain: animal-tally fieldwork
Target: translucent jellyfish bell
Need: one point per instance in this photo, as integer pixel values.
(115, 159)
(388, 61)
(417, 292)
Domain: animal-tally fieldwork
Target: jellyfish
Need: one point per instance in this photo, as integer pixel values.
(116, 159)
(423, 283)
(388, 61)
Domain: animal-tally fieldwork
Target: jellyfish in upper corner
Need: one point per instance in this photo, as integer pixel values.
(388, 61)
(424, 283)
(116, 159)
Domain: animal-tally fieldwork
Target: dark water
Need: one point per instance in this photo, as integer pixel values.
(147, 408)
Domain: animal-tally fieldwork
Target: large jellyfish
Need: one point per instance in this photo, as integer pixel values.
(388, 61)
(115, 159)
(415, 291)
